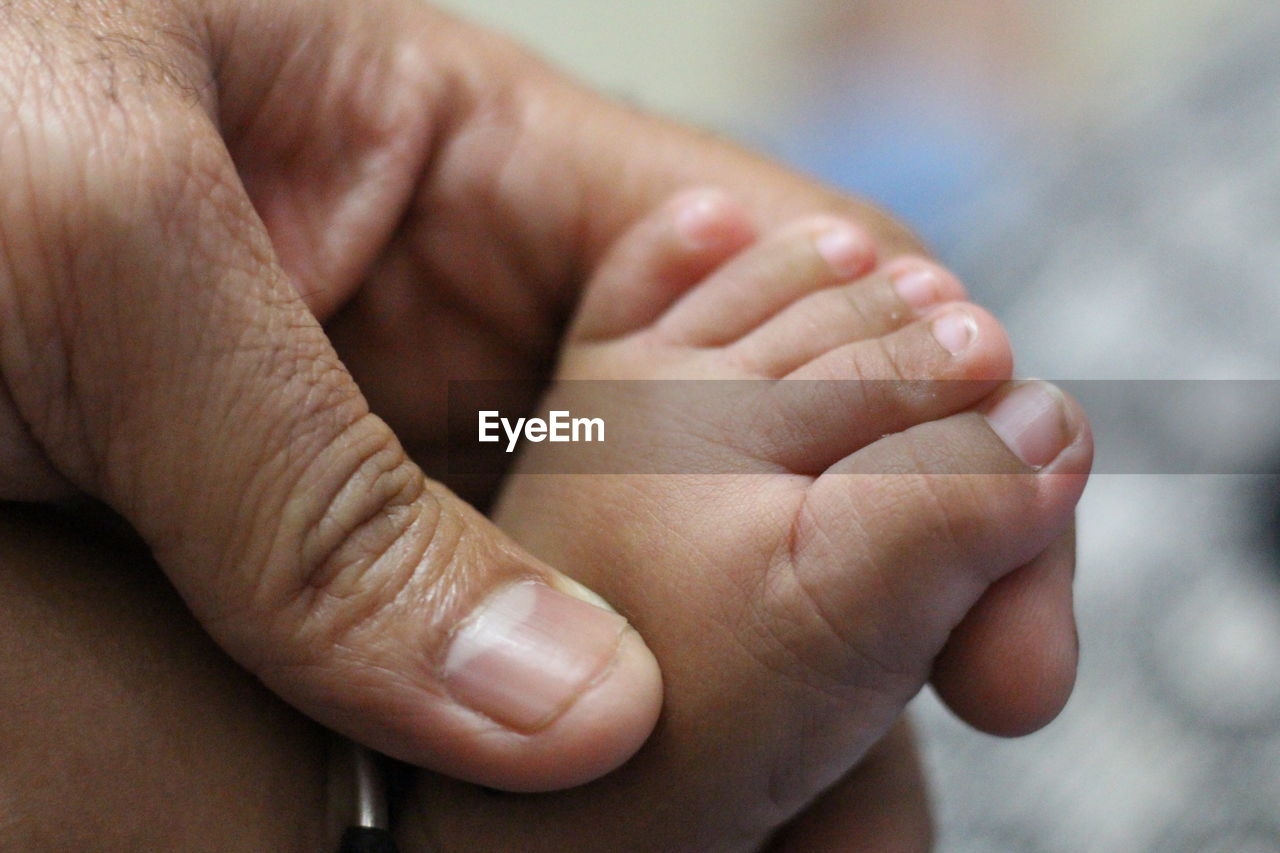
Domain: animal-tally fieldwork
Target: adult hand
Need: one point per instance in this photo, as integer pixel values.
(126, 729)
(192, 188)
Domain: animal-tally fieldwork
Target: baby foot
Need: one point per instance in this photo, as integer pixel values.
(799, 589)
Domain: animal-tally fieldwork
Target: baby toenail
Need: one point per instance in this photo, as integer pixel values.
(918, 288)
(955, 330)
(1032, 422)
(845, 249)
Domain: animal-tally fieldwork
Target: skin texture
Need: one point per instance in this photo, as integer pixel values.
(219, 218)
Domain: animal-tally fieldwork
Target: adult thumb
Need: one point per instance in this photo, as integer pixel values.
(165, 364)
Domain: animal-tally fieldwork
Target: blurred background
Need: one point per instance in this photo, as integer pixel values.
(1106, 177)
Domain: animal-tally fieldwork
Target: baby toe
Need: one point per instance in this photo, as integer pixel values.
(876, 305)
(658, 260)
(796, 260)
(854, 394)
(895, 544)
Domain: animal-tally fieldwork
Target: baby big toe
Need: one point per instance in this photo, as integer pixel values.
(896, 543)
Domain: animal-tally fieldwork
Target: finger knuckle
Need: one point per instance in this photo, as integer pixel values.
(357, 521)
